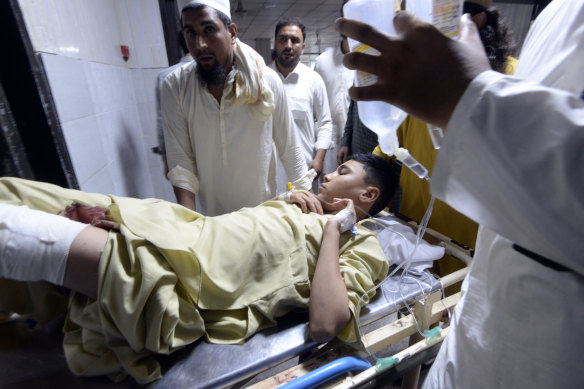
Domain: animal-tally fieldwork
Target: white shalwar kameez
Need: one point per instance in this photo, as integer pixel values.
(337, 80)
(310, 108)
(513, 159)
(224, 154)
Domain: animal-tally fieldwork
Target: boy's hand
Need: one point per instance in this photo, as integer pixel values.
(346, 216)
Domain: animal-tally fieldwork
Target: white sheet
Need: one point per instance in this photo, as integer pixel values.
(398, 242)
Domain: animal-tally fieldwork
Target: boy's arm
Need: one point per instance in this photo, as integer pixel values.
(329, 302)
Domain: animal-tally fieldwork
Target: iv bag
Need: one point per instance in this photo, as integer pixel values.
(382, 118)
(442, 14)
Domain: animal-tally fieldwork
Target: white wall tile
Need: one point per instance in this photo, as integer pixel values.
(143, 18)
(69, 86)
(103, 37)
(124, 148)
(40, 18)
(67, 28)
(85, 147)
(110, 86)
(106, 106)
(101, 182)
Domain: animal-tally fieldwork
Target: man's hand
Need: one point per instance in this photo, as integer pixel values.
(420, 70)
(317, 162)
(342, 155)
(307, 202)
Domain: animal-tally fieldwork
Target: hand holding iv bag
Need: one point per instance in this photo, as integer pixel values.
(445, 16)
(382, 118)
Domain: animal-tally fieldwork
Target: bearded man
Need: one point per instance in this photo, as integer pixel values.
(225, 119)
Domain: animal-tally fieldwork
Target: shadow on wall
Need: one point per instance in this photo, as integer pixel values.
(132, 170)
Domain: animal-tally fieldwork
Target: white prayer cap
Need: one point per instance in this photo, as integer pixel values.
(219, 5)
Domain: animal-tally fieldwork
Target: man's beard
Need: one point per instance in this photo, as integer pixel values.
(287, 63)
(214, 76)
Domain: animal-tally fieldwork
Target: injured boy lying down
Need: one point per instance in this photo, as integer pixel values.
(150, 276)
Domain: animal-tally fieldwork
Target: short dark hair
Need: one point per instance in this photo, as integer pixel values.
(382, 174)
(290, 21)
(224, 18)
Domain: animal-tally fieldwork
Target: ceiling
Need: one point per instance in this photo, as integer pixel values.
(257, 19)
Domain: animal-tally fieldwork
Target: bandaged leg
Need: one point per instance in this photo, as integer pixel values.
(34, 245)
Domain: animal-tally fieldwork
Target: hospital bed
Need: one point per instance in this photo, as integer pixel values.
(31, 356)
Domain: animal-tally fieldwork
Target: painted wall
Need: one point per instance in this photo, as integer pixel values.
(106, 105)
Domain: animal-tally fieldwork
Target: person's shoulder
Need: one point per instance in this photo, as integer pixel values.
(305, 71)
(302, 68)
(272, 66)
(324, 60)
(272, 78)
(316, 80)
(271, 73)
(181, 73)
(324, 56)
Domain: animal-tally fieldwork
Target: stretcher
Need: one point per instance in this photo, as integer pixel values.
(33, 355)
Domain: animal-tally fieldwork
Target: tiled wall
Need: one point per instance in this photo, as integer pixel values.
(106, 105)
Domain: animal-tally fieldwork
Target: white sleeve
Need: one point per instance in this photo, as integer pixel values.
(322, 114)
(513, 160)
(285, 139)
(180, 154)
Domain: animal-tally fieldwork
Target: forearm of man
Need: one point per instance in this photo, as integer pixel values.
(329, 302)
(185, 198)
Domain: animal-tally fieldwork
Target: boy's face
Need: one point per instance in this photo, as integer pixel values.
(348, 181)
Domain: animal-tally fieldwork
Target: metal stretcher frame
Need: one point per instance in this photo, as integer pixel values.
(204, 365)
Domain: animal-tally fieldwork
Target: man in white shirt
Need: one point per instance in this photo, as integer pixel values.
(305, 91)
(337, 79)
(511, 159)
(226, 119)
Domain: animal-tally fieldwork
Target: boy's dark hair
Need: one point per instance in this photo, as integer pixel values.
(224, 18)
(290, 21)
(381, 174)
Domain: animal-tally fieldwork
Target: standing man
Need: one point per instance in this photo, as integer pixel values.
(225, 119)
(337, 79)
(519, 320)
(306, 93)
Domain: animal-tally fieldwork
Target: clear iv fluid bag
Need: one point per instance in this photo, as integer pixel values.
(382, 118)
(443, 14)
